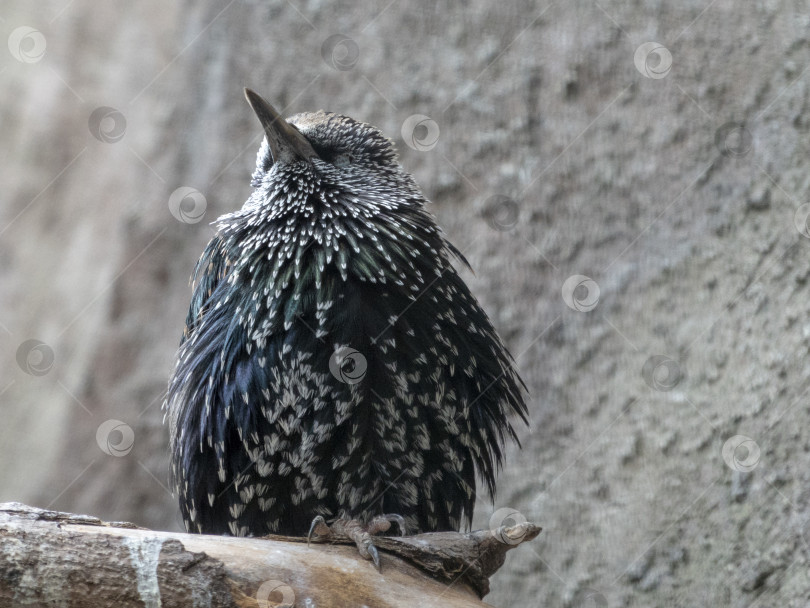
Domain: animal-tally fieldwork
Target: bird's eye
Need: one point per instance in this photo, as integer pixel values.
(343, 159)
(334, 156)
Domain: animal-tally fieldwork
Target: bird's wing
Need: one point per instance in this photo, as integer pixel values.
(211, 269)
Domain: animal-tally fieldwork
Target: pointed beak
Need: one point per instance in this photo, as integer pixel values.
(286, 142)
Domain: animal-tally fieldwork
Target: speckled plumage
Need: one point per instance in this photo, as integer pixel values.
(334, 260)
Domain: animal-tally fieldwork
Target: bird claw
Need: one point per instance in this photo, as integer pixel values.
(320, 527)
(357, 532)
(382, 523)
(375, 556)
(400, 521)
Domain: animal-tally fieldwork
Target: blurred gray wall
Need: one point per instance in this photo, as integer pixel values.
(667, 457)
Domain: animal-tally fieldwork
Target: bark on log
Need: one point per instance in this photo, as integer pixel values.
(48, 558)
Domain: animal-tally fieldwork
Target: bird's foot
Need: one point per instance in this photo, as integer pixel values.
(358, 532)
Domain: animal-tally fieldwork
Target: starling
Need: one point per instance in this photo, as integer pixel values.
(334, 366)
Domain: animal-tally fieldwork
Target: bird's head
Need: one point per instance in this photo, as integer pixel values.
(336, 149)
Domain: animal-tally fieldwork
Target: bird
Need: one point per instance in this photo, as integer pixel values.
(334, 366)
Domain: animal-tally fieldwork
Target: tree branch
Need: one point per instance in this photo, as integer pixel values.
(78, 561)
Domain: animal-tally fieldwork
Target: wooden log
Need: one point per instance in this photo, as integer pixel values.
(48, 558)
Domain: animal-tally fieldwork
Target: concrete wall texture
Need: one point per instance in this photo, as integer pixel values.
(629, 181)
